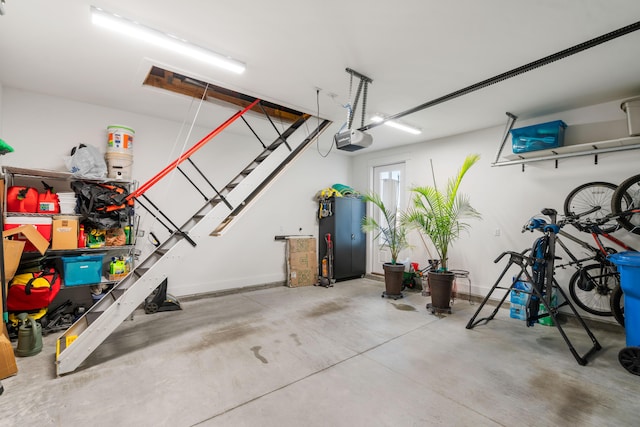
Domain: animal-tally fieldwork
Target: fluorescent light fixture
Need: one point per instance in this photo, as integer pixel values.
(167, 41)
(406, 128)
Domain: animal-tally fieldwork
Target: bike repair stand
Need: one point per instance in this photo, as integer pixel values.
(541, 265)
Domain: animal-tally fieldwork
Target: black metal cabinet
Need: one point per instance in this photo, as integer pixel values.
(349, 244)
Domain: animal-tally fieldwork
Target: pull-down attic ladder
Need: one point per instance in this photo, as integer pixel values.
(217, 211)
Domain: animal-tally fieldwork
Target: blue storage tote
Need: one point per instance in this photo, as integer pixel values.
(538, 137)
(82, 270)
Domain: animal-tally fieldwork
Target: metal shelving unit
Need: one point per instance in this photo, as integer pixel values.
(62, 180)
(567, 151)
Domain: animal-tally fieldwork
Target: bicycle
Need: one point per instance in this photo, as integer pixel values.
(625, 202)
(595, 287)
(609, 206)
(592, 284)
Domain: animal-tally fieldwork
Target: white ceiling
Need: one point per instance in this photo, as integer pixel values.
(414, 50)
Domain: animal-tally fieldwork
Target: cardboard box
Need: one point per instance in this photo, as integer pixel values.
(8, 365)
(301, 244)
(41, 224)
(64, 234)
(13, 248)
(12, 253)
(302, 262)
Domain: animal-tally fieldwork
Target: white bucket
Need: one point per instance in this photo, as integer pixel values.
(120, 139)
(119, 165)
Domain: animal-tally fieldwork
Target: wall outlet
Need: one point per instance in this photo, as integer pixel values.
(497, 232)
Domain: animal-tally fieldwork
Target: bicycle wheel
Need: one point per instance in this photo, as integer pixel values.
(591, 202)
(627, 196)
(617, 304)
(590, 288)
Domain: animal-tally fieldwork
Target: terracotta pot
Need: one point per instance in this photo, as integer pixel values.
(393, 275)
(441, 285)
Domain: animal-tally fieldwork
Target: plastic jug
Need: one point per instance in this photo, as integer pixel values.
(29, 336)
(48, 201)
(22, 199)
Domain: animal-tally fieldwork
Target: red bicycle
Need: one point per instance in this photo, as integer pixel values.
(601, 208)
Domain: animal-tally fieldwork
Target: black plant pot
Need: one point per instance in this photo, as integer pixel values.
(393, 275)
(441, 285)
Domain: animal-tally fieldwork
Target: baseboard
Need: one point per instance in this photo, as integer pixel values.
(223, 292)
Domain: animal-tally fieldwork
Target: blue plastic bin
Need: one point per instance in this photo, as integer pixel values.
(82, 270)
(538, 137)
(628, 264)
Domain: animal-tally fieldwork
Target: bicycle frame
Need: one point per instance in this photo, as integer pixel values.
(596, 233)
(538, 269)
(599, 253)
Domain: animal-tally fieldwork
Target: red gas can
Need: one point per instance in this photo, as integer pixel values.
(48, 201)
(22, 199)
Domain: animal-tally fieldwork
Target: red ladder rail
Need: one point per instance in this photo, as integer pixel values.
(164, 172)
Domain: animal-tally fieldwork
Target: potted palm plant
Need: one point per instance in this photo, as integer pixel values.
(393, 234)
(440, 215)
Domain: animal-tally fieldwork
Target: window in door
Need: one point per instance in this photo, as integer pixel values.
(388, 182)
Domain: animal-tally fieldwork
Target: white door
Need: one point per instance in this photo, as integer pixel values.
(388, 182)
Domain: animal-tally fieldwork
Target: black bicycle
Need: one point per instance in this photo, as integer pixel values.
(608, 207)
(595, 278)
(625, 204)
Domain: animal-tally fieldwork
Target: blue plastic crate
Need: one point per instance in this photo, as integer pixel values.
(538, 137)
(82, 270)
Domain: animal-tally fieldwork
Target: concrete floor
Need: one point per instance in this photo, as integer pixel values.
(341, 356)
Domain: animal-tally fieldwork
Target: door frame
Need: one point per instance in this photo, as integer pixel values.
(374, 262)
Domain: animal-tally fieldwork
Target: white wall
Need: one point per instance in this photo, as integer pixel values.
(42, 129)
(1, 111)
(505, 196)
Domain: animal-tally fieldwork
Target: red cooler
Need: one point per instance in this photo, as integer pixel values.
(42, 224)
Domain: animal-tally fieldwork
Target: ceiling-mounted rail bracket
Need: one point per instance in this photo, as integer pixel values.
(362, 88)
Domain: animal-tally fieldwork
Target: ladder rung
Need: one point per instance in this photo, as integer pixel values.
(91, 316)
(117, 293)
(275, 144)
(140, 271)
